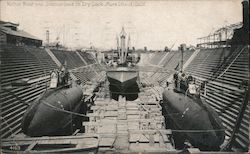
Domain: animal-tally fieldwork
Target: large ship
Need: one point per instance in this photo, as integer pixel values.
(122, 72)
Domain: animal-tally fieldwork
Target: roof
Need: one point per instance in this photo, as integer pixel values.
(8, 23)
(20, 33)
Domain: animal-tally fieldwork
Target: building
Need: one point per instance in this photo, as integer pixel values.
(9, 34)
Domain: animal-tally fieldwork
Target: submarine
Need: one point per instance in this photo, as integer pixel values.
(53, 111)
(191, 119)
(123, 73)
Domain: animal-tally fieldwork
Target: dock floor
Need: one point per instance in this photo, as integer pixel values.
(129, 126)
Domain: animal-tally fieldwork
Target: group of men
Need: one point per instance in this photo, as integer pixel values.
(185, 83)
(59, 77)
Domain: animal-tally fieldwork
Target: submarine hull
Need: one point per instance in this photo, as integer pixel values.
(193, 120)
(46, 115)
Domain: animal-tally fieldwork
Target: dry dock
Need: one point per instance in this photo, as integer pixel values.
(129, 126)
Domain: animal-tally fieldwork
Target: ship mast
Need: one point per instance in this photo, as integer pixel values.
(182, 60)
(128, 44)
(117, 45)
(182, 50)
(123, 46)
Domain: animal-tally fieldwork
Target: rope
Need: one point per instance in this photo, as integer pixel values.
(197, 66)
(197, 131)
(173, 130)
(116, 92)
(231, 63)
(178, 113)
(145, 80)
(62, 110)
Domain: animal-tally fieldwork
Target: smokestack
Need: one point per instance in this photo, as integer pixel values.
(47, 37)
(245, 5)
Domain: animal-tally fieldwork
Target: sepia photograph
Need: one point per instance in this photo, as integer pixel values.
(124, 76)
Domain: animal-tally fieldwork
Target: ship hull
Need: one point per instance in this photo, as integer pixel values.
(46, 115)
(122, 80)
(193, 120)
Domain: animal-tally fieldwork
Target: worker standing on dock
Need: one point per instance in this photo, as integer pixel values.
(54, 79)
(63, 75)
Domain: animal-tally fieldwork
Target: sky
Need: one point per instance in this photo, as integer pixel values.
(154, 24)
